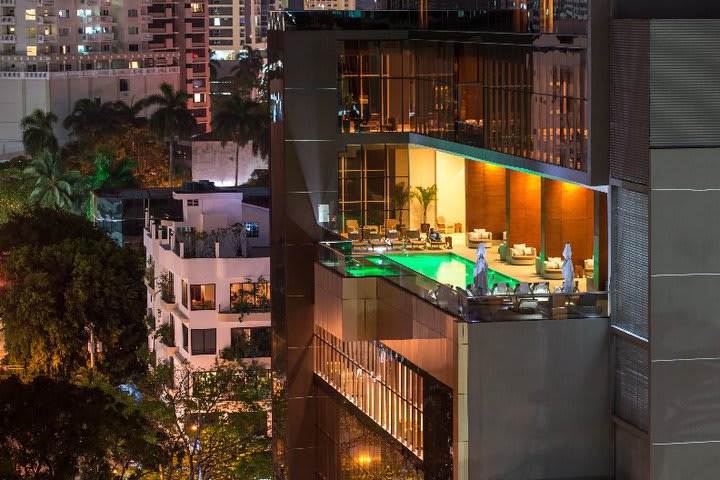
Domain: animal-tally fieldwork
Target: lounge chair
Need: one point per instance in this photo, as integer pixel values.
(394, 240)
(520, 254)
(479, 235)
(540, 288)
(352, 226)
(443, 226)
(522, 288)
(589, 266)
(376, 240)
(552, 268)
(357, 242)
(391, 224)
(436, 244)
(415, 240)
(500, 288)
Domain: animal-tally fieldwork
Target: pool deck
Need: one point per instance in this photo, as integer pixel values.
(524, 273)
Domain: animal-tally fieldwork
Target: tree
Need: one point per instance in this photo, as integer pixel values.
(54, 187)
(37, 132)
(171, 120)
(242, 121)
(425, 196)
(15, 187)
(74, 303)
(52, 430)
(246, 74)
(92, 119)
(111, 173)
(400, 199)
(215, 420)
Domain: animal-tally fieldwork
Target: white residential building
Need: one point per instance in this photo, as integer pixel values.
(212, 281)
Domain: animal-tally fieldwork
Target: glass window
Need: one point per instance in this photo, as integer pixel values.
(133, 30)
(250, 342)
(124, 85)
(252, 229)
(184, 293)
(249, 296)
(202, 297)
(132, 13)
(203, 341)
(185, 337)
(64, 13)
(30, 14)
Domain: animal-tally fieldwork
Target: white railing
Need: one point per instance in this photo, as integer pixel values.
(98, 37)
(7, 3)
(46, 19)
(46, 3)
(125, 72)
(46, 38)
(7, 38)
(7, 20)
(99, 19)
(146, 18)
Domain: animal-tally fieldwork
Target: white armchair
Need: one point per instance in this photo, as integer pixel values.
(520, 254)
(589, 267)
(479, 235)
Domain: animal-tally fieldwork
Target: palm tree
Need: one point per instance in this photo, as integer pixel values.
(54, 187)
(37, 132)
(171, 120)
(92, 118)
(425, 196)
(246, 74)
(113, 174)
(242, 121)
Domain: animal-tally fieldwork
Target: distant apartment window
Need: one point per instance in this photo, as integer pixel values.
(105, 48)
(202, 297)
(132, 47)
(64, 13)
(133, 30)
(30, 14)
(203, 341)
(64, 32)
(132, 13)
(197, 7)
(134, 64)
(249, 294)
(31, 50)
(124, 87)
(252, 229)
(251, 342)
(199, 97)
(171, 324)
(193, 202)
(185, 337)
(184, 294)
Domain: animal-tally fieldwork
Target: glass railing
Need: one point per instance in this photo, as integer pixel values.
(526, 301)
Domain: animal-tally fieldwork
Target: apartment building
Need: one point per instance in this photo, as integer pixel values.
(54, 52)
(212, 278)
(588, 122)
(235, 24)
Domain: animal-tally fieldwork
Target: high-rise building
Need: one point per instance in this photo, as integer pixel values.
(235, 24)
(54, 52)
(535, 124)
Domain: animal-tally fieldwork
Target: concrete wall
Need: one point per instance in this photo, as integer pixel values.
(451, 187)
(422, 173)
(19, 97)
(215, 162)
(538, 401)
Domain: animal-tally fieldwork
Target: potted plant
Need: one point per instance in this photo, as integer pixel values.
(348, 101)
(400, 201)
(425, 196)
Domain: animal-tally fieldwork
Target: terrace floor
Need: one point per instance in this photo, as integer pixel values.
(524, 273)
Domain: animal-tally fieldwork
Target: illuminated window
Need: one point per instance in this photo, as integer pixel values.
(31, 50)
(134, 64)
(30, 14)
(249, 295)
(197, 7)
(202, 297)
(199, 97)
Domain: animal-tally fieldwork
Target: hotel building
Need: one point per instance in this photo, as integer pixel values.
(538, 124)
(55, 52)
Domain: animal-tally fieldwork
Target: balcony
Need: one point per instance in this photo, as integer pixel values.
(7, 20)
(46, 38)
(146, 18)
(191, 13)
(7, 38)
(46, 3)
(98, 20)
(46, 19)
(191, 58)
(167, 13)
(98, 3)
(7, 3)
(97, 37)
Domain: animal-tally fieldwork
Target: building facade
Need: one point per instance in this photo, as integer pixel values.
(56, 52)
(588, 122)
(211, 280)
(235, 24)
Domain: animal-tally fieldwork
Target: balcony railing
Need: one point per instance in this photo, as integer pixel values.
(7, 3)
(98, 19)
(46, 38)
(7, 38)
(46, 19)
(531, 302)
(98, 37)
(7, 20)
(46, 3)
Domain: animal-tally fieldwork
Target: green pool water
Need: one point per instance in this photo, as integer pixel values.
(372, 271)
(447, 268)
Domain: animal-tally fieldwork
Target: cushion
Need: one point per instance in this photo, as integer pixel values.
(479, 230)
(474, 236)
(519, 246)
(554, 259)
(552, 265)
(529, 251)
(516, 252)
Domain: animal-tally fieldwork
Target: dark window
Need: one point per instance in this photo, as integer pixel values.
(124, 85)
(171, 325)
(203, 341)
(133, 47)
(250, 342)
(184, 293)
(185, 337)
(193, 202)
(132, 13)
(202, 297)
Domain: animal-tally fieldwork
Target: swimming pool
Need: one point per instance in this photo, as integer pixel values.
(447, 268)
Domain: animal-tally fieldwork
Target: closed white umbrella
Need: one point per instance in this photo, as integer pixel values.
(568, 271)
(480, 272)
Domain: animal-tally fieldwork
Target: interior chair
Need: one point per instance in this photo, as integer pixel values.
(479, 235)
(500, 288)
(352, 226)
(415, 240)
(443, 226)
(521, 254)
(394, 240)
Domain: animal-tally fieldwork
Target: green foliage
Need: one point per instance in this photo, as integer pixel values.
(59, 430)
(425, 196)
(110, 173)
(255, 345)
(260, 177)
(400, 199)
(54, 187)
(38, 227)
(165, 287)
(15, 188)
(215, 420)
(58, 292)
(37, 132)
(245, 302)
(91, 119)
